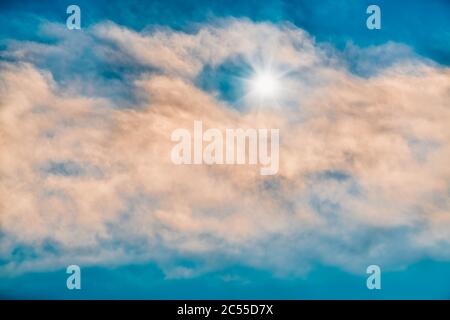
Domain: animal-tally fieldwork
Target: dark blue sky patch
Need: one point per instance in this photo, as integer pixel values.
(71, 169)
(66, 168)
(227, 80)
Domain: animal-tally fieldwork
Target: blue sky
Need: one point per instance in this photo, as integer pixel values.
(329, 266)
(422, 26)
(424, 280)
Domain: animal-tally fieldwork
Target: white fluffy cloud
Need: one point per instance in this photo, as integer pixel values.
(363, 179)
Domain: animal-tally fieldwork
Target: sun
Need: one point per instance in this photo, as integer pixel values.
(265, 85)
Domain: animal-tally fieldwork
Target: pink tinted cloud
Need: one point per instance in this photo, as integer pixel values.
(128, 192)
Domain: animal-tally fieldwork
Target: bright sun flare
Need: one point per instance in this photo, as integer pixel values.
(265, 85)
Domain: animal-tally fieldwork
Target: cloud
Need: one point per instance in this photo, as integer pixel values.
(86, 175)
